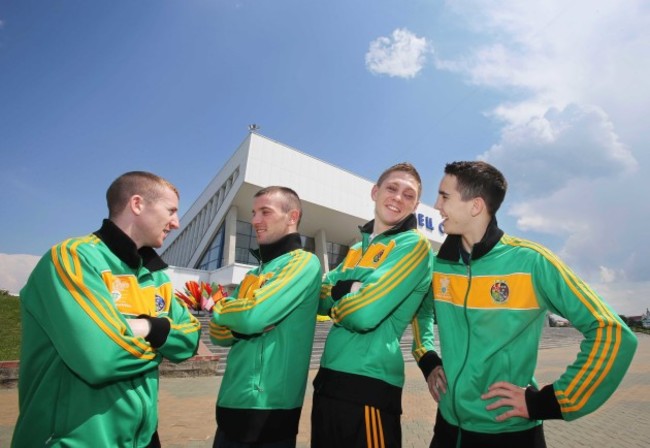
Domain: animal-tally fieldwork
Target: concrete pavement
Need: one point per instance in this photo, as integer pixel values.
(187, 408)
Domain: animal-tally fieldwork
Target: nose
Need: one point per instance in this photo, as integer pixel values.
(436, 206)
(174, 224)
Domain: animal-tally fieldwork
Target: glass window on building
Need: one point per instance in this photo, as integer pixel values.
(308, 243)
(336, 253)
(213, 257)
(245, 241)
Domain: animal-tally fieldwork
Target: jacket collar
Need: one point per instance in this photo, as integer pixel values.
(451, 247)
(125, 249)
(408, 223)
(286, 244)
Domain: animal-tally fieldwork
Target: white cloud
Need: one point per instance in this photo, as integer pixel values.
(14, 271)
(546, 153)
(402, 55)
(627, 298)
(607, 275)
(554, 53)
(558, 51)
(601, 224)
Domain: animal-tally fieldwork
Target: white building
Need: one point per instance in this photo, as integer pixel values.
(215, 235)
(645, 319)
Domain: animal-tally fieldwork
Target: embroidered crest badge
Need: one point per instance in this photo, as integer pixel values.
(500, 291)
(444, 285)
(160, 303)
(378, 256)
(118, 287)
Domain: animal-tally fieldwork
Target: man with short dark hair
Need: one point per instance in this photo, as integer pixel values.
(491, 294)
(269, 323)
(98, 317)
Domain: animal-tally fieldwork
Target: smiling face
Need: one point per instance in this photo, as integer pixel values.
(456, 213)
(270, 220)
(157, 217)
(395, 198)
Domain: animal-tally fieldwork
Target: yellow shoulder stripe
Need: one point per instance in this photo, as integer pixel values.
(71, 273)
(376, 291)
(298, 262)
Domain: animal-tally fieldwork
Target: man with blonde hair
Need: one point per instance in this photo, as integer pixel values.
(372, 296)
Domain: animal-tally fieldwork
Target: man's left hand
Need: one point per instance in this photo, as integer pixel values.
(510, 395)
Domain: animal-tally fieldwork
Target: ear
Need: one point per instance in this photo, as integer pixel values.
(293, 217)
(478, 206)
(373, 192)
(136, 204)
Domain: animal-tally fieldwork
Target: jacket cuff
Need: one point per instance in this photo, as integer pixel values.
(240, 335)
(428, 362)
(542, 404)
(160, 328)
(341, 288)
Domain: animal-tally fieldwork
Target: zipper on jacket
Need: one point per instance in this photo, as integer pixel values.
(462, 367)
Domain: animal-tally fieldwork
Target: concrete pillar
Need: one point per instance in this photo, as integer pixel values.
(230, 236)
(320, 248)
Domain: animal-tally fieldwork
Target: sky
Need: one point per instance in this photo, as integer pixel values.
(554, 93)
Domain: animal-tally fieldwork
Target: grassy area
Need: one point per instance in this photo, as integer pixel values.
(9, 327)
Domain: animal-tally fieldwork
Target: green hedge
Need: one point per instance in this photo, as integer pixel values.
(9, 327)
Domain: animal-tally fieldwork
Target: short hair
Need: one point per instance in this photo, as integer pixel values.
(406, 168)
(479, 179)
(148, 185)
(290, 199)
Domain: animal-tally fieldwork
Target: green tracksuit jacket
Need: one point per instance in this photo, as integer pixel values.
(490, 313)
(269, 323)
(363, 347)
(85, 380)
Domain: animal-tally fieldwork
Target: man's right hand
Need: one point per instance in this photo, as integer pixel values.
(139, 327)
(437, 382)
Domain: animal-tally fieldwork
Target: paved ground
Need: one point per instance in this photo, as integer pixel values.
(187, 407)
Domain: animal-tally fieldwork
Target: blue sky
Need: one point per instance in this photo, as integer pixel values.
(555, 95)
